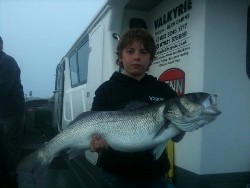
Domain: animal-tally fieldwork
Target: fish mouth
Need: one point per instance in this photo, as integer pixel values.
(210, 106)
(212, 111)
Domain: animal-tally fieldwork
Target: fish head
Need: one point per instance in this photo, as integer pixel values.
(191, 111)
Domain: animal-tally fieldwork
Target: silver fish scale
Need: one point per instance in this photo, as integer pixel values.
(128, 130)
(117, 128)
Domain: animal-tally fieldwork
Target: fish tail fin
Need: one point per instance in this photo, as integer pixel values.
(39, 173)
(36, 166)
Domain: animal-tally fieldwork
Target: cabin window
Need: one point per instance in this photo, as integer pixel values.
(83, 57)
(57, 78)
(78, 63)
(73, 70)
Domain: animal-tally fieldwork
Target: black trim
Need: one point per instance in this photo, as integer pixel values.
(248, 44)
(187, 179)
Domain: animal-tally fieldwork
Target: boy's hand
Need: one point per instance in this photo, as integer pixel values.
(98, 144)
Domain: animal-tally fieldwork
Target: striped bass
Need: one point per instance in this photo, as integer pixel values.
(143, 128)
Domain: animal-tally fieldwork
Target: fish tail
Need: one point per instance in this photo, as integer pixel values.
(35, 165)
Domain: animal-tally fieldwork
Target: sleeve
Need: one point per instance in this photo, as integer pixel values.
(171, 92)
(100, 99)
(8, 72)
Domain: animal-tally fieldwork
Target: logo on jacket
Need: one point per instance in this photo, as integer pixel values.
(155, 99)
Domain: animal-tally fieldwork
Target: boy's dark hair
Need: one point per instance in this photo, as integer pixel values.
(136, 35)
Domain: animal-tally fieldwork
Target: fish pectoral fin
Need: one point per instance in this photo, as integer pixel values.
(158, 150)
(74, 152)
(160, 131)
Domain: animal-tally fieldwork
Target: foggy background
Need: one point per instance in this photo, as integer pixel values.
(38, 33)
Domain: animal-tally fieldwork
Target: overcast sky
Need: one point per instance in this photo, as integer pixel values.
(38, 33)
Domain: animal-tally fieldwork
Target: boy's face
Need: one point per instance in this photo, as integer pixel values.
(135, 59)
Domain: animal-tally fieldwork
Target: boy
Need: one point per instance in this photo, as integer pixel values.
(135, 51)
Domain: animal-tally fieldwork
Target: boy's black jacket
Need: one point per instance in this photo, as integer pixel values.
(115, 94)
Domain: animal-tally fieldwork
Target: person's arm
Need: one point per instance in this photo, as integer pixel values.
(100, 100)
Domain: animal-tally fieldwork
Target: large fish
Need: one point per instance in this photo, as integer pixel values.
(147, 127)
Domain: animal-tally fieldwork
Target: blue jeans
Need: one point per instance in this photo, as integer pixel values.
(109, 180)
(11, 136)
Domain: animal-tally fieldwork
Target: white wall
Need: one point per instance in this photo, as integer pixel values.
(226, 143)
(215, 64)
(188, 151)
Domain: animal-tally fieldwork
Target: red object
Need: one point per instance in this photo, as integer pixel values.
(175, 77)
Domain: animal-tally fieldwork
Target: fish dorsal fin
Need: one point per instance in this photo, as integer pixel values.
(135, 104)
